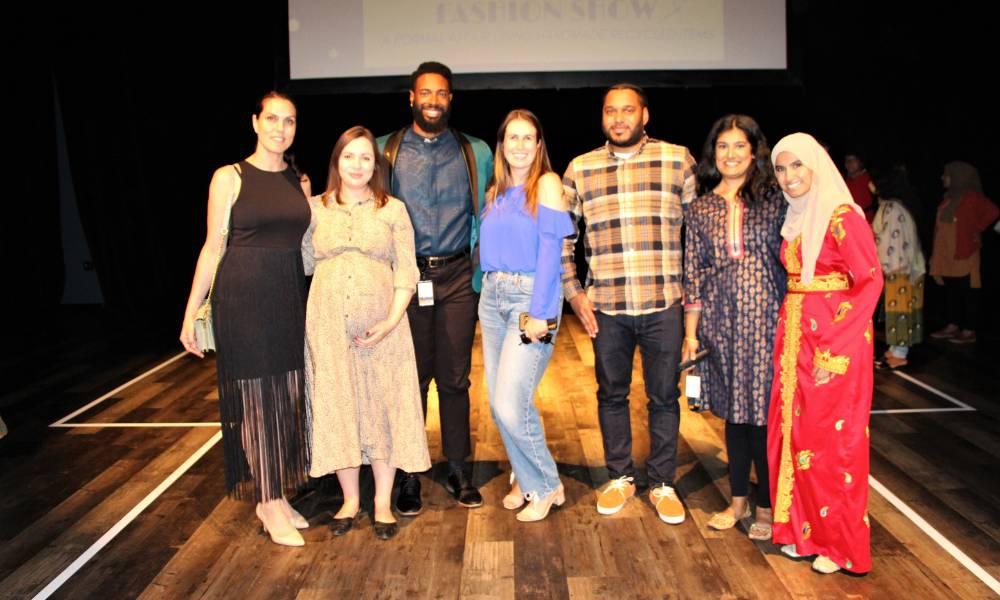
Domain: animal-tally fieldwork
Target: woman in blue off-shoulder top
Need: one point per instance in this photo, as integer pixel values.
(523, 224)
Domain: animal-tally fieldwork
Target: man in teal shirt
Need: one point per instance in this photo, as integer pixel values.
(441, 176)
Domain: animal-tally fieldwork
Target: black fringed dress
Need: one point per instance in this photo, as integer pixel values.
(258, 311)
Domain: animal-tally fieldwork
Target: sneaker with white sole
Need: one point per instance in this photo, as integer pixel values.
(614, 495)
(668, 506)
(824, 565)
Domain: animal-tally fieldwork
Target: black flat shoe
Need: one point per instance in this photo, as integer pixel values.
(408, 502)
(462, 490)
(386, 531)
(341, 526)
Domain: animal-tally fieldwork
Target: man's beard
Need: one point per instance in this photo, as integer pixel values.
(632, 140)
(431, 126)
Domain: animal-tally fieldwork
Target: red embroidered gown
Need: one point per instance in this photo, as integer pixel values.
(818, 434)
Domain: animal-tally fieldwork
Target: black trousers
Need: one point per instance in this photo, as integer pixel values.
(962, 301)
(747, 444)
(658, 336)
(442, 339)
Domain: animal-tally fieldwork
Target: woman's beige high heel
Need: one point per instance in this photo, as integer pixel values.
(538, 508)
(290, 537)
(514, 499)
(294, 516)
(297, 520)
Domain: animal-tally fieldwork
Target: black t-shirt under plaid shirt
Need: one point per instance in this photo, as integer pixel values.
(632, 211)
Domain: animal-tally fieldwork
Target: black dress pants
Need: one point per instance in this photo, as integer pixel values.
(442, 339)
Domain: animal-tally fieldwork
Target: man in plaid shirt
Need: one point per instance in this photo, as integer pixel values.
(628, 194)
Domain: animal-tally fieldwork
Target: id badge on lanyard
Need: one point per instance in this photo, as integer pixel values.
(425, 293)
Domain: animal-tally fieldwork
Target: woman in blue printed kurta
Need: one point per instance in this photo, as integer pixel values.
(733, 284)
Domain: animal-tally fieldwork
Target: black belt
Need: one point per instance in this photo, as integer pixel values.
(432, 262)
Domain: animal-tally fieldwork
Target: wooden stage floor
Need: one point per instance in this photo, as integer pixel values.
(123, 497)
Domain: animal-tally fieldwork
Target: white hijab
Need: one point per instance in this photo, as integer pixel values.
(809, 214)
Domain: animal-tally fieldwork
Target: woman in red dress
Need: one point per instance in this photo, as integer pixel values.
(818, 420)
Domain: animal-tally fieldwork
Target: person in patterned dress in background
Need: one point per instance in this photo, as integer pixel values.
(903, 264)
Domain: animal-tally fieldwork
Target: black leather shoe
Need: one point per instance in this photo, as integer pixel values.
(463, 491)
(408, 501)
(340, 527)
(386, 531)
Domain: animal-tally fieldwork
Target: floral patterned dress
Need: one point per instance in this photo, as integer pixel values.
(365, 401)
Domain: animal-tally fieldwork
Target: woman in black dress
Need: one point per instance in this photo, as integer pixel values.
(258, 308)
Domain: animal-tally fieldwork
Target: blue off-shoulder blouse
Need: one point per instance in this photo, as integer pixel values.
(513, 241)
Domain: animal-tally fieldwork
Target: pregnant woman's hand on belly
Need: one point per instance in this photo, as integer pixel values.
(375, 334)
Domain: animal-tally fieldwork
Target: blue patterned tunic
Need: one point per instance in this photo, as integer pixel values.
(733, 270)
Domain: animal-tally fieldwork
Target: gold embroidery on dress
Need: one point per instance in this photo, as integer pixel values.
(789, 382)
(842, 311)
(824, 359)
(803, 459)
(806, 530)
(792, 262)
(824, 511)
(837, 223)
(868, 332)
(847, 478)
(839, 425)
(820, 283)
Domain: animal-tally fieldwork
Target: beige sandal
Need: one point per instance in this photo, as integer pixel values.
(721, 521)
(760, 531)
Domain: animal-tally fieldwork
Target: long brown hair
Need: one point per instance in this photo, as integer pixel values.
(378, 181)
(501, 169)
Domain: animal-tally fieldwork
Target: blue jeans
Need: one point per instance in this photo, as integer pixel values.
(513, 371)
(658, 336)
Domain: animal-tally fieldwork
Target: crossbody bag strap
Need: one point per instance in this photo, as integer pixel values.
(225, 226)
(391, 151)
(470, 166)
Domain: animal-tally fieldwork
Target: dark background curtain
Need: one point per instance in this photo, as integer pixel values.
(29, 234)
(152, 107)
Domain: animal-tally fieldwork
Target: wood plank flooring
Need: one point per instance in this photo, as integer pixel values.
(66, 489)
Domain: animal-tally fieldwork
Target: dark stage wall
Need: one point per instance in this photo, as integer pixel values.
(151, 108)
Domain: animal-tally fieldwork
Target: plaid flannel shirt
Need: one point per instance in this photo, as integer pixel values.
(632, 211)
